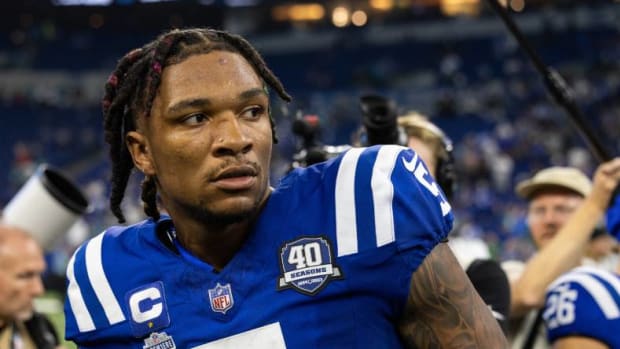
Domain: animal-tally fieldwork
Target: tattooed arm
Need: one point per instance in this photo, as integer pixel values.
(444, 310)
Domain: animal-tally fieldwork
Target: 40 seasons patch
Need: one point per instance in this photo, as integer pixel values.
(159, 341)
(307, 264)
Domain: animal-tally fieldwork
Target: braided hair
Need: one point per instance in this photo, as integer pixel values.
(132, 87)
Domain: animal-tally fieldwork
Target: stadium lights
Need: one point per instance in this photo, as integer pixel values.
(382, 5)
(340, 16)
(460, 7)
(359, 18)
(298, 12)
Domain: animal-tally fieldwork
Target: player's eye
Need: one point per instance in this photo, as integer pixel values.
(195, 119)
(253, 112)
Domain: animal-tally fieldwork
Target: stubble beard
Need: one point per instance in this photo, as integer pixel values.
(202, 213)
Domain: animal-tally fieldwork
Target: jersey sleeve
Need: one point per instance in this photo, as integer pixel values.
(613, 217)
(100, 276)
(385, 195)
(584, 302)
(92, 307)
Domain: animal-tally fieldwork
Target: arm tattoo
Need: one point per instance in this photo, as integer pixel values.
(444, 310)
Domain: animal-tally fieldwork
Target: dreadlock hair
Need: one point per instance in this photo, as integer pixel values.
(133, 85)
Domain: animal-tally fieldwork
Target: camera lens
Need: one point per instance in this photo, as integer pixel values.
(379, 119)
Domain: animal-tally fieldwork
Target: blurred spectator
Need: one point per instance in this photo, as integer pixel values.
(21, 267)
(564, 209)
(583, 306)
(602, 250)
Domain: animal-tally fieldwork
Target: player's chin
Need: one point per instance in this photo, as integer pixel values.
(232, 217)
(235, 210)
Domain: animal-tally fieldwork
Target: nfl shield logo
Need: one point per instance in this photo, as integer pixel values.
(221, 298)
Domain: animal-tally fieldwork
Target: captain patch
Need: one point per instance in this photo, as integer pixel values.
(148, 308)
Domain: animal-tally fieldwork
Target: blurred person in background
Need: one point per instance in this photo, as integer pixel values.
(582, 308)
(486, 274)
(21, 267)
(602, 250)
(564, 209)
(239, 264)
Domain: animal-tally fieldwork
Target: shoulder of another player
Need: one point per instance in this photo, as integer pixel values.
(588, 278)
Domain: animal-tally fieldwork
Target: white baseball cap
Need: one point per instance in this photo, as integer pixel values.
(568, 178)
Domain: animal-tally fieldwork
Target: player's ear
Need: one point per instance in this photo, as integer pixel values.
(140, 153)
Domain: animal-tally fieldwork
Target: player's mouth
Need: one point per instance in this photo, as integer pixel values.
(236, 178)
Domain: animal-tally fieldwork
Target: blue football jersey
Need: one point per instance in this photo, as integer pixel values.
(613, 217)
(327, 265)
(584, 302)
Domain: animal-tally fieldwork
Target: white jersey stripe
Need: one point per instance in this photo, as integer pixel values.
(383, 193)
(99, 281)
(266, 337)
(76, 300)
(609, 278)
(346, 219)
(601, 295)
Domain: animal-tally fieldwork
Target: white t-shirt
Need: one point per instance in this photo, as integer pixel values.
(466, 250)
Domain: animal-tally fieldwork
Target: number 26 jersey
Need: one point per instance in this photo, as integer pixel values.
(584, 302)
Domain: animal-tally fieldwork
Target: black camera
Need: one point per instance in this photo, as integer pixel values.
(379, 117)
(311, 150)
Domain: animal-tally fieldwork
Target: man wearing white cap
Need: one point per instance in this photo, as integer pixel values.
(564, 207)
(583, 306)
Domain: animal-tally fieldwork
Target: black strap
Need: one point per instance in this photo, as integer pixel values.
(531, 336)
(42, 332)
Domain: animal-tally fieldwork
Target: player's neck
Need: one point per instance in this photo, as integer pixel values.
(211, 240)
(214, 247)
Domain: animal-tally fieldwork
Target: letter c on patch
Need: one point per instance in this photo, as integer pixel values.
(147, 298)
